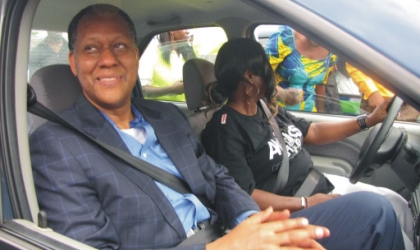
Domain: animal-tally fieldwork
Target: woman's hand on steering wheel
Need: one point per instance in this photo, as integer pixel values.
(377, 135)
(379, 113)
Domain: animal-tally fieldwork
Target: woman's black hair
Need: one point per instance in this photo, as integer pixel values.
(97, 9)
(235, 57)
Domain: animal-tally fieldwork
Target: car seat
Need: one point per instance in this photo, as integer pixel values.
(56, 87)
(197, 73)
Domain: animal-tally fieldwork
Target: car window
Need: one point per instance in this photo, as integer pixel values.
(160, 69)
(47, 47)
(344, 89)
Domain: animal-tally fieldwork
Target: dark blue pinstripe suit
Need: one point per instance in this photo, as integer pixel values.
(101, 201)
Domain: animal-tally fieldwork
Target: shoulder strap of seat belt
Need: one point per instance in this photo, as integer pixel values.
(283, 174)
(154, 172)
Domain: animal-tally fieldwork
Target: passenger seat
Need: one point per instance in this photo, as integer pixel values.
(56, 87)
(197, 73)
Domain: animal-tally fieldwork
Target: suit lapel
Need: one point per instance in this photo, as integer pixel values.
(95, 124)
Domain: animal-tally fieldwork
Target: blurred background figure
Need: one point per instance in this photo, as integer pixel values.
(374, 93)
(299, 64)
(160, 69)
(53, 49)
(332, 103)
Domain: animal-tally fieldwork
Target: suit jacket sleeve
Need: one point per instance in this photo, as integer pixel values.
(65, 192)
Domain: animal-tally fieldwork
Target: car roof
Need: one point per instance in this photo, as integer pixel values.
(152, 17)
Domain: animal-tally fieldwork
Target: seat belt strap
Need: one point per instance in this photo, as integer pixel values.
(283, 173)
(204, 236)
(309, 184)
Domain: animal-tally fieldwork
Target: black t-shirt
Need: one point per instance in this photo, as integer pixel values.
(247, 146)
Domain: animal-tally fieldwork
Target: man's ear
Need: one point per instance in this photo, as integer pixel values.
(72, 62)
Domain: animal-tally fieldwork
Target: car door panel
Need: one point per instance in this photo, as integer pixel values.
(340, 158)
(334, 158)
(332, 165)
(22, 234)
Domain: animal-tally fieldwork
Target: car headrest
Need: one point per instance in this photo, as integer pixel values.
(197, 73)
(56, 87)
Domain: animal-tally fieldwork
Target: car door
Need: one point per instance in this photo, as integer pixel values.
(19, 228)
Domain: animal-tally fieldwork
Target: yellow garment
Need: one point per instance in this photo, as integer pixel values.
(154, 71)
(366, 85)
(165, 75)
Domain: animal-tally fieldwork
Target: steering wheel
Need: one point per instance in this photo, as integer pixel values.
(373, 142)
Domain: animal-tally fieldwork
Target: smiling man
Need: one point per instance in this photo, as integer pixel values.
(100, 200)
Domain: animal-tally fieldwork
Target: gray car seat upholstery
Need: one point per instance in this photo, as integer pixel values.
(56, 87)
(197, 73)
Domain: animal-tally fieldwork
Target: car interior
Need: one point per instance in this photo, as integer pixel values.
(57, 88)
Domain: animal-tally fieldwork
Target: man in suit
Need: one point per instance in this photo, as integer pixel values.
(100, 200)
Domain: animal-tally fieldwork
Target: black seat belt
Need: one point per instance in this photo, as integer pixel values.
(283, 174)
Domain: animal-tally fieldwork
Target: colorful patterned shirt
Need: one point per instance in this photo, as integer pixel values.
(293, 70)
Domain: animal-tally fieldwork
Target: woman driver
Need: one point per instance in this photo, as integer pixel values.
(239, 136)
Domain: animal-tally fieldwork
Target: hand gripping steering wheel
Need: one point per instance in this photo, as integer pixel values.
(373, 142)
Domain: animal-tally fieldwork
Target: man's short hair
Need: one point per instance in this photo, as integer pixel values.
(93, 10)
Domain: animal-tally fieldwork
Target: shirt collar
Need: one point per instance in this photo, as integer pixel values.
(138, 120)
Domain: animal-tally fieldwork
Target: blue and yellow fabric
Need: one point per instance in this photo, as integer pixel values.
(293, 70)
